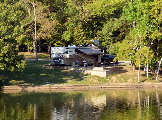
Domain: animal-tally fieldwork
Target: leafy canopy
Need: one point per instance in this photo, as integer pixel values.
(10, 30)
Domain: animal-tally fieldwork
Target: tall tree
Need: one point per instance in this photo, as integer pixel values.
(108, 26)
(10, 33)
(10, 17)
(39, 23)
(156, 27)
(138, 21)
(74, 33)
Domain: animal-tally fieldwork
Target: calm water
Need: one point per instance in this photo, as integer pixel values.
(85, 105)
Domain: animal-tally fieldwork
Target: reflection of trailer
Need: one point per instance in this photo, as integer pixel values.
(69, 55)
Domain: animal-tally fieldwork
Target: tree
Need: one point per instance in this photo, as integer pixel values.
(141, 42)
(145, 26)
(31, 8)
(39, 23)
(74, 32)
(10, 30)
(110, 27)
(156, 27)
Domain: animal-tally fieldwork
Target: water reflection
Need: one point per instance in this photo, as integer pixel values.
(87, 105)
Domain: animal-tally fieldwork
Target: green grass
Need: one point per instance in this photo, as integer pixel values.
(35, 74)
(29, 55)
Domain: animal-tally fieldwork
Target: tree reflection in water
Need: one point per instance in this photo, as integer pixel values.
(87, 105)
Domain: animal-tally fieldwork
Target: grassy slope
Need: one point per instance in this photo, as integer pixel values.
(34, 74)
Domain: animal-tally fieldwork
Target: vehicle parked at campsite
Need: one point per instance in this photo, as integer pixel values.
(107, 59)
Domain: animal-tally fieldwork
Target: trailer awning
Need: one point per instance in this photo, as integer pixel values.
(90, 51)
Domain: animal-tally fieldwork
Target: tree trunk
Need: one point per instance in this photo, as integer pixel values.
(35, 32)
(49, 48)
(147, 70)
(28, 48)
(35, 51)
(139, 73)
(40, 50)
(157, 73)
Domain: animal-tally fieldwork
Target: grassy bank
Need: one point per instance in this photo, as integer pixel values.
(34, 74)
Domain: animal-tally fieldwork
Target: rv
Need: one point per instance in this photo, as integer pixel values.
(73, 55)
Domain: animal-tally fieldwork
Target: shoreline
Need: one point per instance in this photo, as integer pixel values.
(64, 88)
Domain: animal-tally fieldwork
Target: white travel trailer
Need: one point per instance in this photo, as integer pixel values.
(69, 55)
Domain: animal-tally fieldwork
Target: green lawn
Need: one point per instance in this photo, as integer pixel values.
(29, 55)
(35, 74)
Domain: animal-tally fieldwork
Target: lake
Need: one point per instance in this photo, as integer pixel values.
(113, 104)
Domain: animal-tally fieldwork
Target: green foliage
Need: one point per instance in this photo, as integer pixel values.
(124, 50)
(156, 10)
(125, 26)
(113, 29)
(144, 56)
(142, 29)
(75, 32)
(10, 30)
